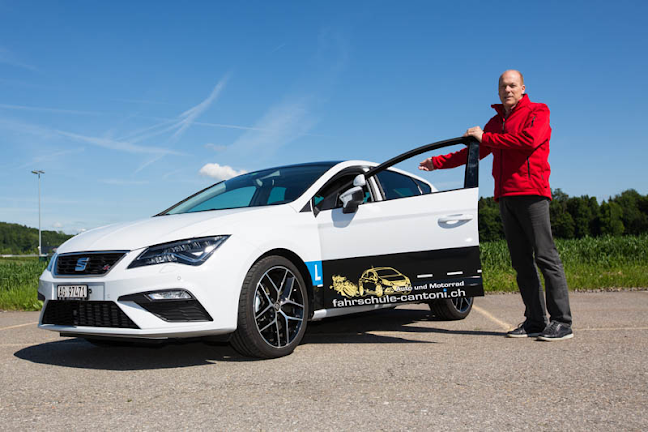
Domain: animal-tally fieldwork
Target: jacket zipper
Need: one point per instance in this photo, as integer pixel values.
(500, 158)
(528, 164)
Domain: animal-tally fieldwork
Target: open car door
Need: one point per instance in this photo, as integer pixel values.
(401, 247)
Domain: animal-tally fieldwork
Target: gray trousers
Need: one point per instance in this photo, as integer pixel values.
(528, 233)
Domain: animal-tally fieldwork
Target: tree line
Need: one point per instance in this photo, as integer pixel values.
(578, 217)
(18, 239)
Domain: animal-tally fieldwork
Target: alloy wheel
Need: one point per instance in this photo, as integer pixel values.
(278, 306)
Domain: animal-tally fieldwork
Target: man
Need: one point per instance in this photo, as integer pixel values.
(518, 137)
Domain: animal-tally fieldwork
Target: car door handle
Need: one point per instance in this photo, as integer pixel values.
(456, 218)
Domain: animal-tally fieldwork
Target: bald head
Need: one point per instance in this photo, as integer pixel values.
(512, 72)
(511, 88)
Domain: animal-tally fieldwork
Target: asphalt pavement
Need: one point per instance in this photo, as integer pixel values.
(389, 370)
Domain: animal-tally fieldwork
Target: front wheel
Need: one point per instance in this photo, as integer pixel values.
(451, 309)
(273, 309)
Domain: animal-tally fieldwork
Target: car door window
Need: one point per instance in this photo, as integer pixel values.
(328, 197)
(396, 185)
(423, 187)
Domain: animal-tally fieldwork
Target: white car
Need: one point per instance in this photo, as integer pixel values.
(255, 257)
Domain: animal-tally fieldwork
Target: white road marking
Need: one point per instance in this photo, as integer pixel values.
(502, 324)
(610, 328)
(424, 276)
(454, 273)
(19, 325)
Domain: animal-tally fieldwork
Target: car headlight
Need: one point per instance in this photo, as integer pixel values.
(191, 252)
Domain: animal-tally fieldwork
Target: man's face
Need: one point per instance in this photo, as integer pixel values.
(511, 89)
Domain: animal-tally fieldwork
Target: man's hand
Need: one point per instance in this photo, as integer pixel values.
(426, 165)
(476, 132)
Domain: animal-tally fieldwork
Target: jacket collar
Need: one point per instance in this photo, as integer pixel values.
(523, 102)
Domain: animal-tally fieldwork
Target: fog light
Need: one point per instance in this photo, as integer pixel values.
(169, 295)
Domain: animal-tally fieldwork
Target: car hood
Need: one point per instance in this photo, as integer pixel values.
(161, 229)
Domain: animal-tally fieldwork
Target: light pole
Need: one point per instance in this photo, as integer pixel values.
(39, 172)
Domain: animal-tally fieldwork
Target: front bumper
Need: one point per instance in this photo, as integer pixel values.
(214, 287)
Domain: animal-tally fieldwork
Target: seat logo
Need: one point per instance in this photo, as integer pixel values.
(81, 264)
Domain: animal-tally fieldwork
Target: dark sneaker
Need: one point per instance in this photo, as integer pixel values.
(524, 330)
(556, 331)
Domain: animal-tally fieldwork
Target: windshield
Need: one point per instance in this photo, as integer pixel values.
(260, 188)
(386, 273)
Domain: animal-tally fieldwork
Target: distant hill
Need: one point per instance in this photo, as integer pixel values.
(19, 239)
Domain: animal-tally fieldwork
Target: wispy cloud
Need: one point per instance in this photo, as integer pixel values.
(24, 127)
(219, 172)
(280, 125)
(49, 110)
(116, 145)
(50, 156)
(122, 182)
(148, 162)
(142, 101)
(215, 147)
(189, 116)
(124, 146)
(277, 48)
(179, 124)
(7, 57)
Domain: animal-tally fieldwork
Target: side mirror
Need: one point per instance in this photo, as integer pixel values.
(352, 198)
(359, 180)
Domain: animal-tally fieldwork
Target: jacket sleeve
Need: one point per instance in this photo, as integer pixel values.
(535, 132)
(458, 158)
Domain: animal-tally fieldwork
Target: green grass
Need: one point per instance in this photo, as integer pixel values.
(19, 283)
(590, 263)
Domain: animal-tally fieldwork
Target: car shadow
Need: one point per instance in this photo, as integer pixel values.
(361, 328)
(355, 329)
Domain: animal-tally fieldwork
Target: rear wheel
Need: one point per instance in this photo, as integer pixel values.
(452, 309)
(273, 309)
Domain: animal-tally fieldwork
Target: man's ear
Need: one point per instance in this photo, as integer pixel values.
(523, 89)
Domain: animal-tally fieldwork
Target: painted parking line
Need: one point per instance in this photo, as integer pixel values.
(610, 329)
(499, 322)
(19, 325)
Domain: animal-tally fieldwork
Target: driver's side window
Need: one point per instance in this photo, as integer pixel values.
(328, 197)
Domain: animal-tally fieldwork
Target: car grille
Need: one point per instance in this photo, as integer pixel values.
(86, 314)
(89, 263)
(183, 311)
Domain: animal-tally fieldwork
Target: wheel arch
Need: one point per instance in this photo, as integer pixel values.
(303, 270)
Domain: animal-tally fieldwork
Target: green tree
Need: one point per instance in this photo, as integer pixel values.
(490, 222)
(562, 223)
(610, 218)
(581, 214)
(634, 220)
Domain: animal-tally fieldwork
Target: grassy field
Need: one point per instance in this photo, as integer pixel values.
(590, 263)
(19, 283)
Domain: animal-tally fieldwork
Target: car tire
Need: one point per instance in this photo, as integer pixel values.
(452, 309)
(379, 290)
(273, 309)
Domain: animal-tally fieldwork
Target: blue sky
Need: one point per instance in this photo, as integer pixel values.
(131, 106)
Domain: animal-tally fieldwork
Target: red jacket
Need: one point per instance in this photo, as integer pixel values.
(520, 147)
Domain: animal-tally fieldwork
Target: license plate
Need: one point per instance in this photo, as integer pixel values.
(72, 292)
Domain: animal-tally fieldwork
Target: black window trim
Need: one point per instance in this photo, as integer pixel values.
(471, 177)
